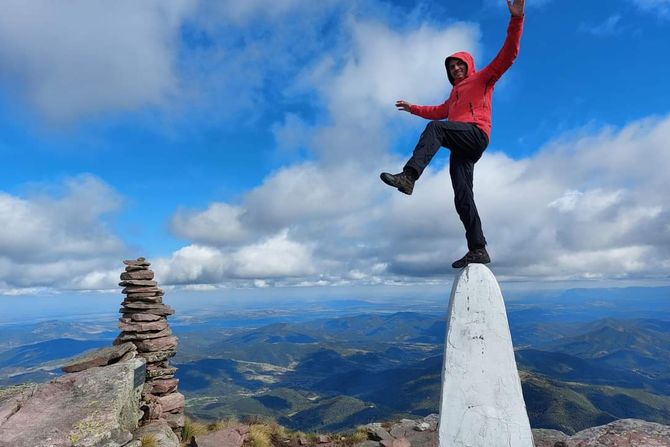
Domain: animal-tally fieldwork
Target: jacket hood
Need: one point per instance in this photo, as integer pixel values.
(465, 57)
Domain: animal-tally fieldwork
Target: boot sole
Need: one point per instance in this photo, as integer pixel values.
(386, 180)
(488, 261)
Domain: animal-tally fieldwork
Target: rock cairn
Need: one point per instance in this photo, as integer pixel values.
(144, 323)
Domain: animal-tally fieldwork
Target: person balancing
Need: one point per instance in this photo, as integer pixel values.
(465, 133)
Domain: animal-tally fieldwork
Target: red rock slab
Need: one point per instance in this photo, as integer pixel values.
(152, 411)
(153, 357)
(145, 293)
(175, 420)
(161, 386)
(132, 336)
(144, 299)
(402, 442)
(55, 412)
(148, 297)
(141, 289)
(127, 325)
(140, 305)
(99, 357)
(138, 282)
(139, 261)
(623, 433)
(162, 310)
(227, 437)
(143, 317)
(137, 274)
(155, 344)
(136, 268)
(171, 402)
(162, 373)
(160, 431)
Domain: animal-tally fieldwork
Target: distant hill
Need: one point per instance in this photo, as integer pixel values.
(570, 368)
(46, 351)
(387, 374)
(34, 362)
(572, 406)
(334, 373)
(621, 343)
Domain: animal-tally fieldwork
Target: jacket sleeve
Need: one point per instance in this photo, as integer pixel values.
(507, 53)
(431, 112)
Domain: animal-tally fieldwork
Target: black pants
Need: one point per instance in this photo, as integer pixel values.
(467, 144)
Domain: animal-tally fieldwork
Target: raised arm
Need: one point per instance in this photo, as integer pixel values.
(510, 48)
(429, 112)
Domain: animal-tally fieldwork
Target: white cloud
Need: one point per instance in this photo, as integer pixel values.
(242, 13)
(81, 57)
(272, 257)
(606, 28)
(545, 216)
(58, 237)
(277, 256)
(250, 49)
(585, 206)
(382, 65)
(661, 7)
(292, 134)
(582, 207)
(220, 216)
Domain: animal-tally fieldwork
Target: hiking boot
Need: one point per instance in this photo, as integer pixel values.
(402, 181)
(476, 256)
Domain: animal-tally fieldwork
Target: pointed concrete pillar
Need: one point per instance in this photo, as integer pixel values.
(481, 403)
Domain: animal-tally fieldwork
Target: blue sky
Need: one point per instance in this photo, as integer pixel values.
(238, 144)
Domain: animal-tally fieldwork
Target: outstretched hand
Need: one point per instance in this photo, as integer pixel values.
(516, 8)
(403, 105)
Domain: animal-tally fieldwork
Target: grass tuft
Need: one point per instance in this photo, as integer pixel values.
(225, 423)
(192, 429)
(149, 440)
(358, 436)
(260, 435)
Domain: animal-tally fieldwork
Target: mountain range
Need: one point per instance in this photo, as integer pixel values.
(333, 368)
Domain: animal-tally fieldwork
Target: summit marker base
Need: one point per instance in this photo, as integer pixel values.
(481, 403)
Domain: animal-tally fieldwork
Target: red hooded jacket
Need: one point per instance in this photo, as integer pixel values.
(470, 98)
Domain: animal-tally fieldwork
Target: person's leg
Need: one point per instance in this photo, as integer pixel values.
(462, 170)
(464, 139)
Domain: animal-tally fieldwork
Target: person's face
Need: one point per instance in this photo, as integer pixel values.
(457, 69)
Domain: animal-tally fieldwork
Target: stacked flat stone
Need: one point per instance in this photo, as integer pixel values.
(144, 323)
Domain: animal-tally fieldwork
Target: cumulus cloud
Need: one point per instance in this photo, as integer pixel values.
(606, 28)
(661, 7)
(241, 53)
(582, 207)
(57, 237)
(275, 257)
(76, 58)
(241, 13)
(578, 200)
(360, 86)
(218, 225)
(292, 133)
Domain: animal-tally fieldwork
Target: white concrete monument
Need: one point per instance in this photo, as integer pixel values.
(481, 403)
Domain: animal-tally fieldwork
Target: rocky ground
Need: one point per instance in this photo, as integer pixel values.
(423, 433)
(103, 410)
